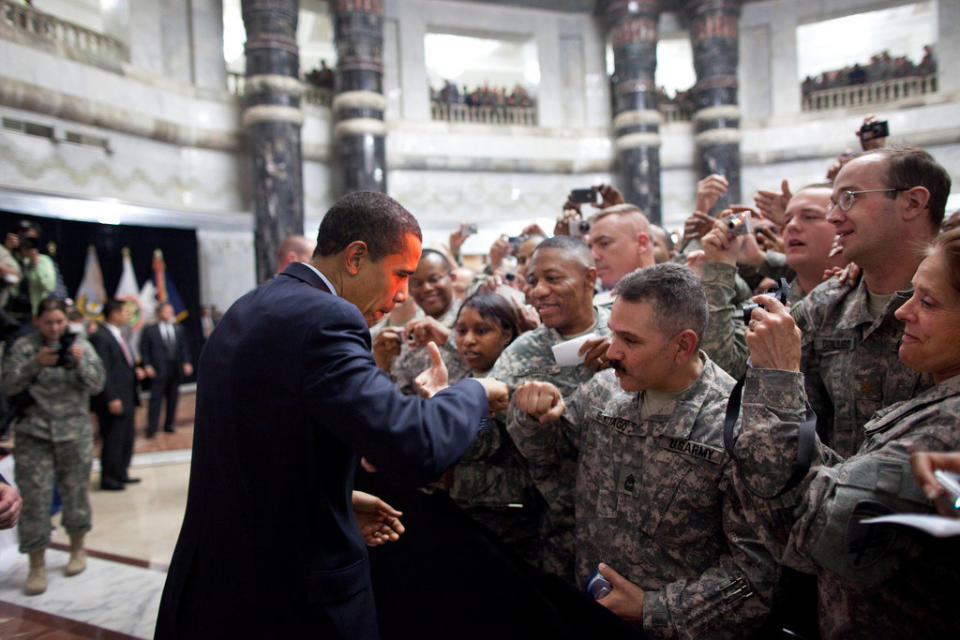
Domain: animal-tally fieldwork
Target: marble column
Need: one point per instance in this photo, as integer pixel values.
(631, 28)
(272, 119)
(714, 34)
(359, 103)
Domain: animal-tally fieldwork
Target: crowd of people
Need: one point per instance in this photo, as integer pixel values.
(58, 367)
(882, 66)
(485, 96)
(848, 365)
(696, 433)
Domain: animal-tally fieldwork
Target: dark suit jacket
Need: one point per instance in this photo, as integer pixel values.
(153, 351)
(288, 397)
(121, 382)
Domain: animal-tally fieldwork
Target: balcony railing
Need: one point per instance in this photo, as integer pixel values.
(318, 96)
(870, 93)
(71, 38)
(674, 113)
(522, 116)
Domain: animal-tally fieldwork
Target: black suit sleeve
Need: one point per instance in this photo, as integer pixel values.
(110, 391)
(407, 436)
(146, 347)
(181, 335)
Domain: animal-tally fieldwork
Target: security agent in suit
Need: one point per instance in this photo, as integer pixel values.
(288, 399)
(163, 348)
(115, 405)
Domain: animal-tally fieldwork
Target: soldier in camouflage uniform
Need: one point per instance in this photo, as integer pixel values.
(561, 278)
(807, 236)
(874, 580)
(54, 437)
(885, 204)
(432, 289)
(652, 485)
(620, 243)
(491, 482)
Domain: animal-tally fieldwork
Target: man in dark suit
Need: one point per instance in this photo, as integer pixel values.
(163, 349)
(288, 399)
(114, 405)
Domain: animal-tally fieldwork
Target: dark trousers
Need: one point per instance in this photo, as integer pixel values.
(117, 448)
(165, 386)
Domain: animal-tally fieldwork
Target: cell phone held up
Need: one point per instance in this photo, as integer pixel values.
(581, 196)
(468, 229)
(874, 130)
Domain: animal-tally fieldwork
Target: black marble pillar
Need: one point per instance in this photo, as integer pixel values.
(359, 104)
(272, 118)
(714, 34)
(631, 27)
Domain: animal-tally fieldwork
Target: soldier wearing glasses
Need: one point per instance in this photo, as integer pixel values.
(886, 204)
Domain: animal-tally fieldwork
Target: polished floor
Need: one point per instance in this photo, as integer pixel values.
(134, 532)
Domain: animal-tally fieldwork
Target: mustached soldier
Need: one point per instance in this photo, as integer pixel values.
(654, 506)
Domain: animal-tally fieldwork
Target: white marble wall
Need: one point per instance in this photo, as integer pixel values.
(226, 266)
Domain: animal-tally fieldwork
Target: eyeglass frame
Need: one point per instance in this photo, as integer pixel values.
(854, 194)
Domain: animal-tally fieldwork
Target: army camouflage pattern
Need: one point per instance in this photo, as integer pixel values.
(654, 501)
(491, 483)
(37, 463)
(412, 361)
(530, 358)
(874, 580)
(61, 409)
(725, 338)
(850, 360)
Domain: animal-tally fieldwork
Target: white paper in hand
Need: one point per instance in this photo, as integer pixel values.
(566, 354)
(938, 526)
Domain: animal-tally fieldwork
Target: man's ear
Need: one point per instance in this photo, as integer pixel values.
(355, 252)
(687, 344)
(590, 275)
(918, 200)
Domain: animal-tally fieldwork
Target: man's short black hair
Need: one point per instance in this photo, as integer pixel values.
(111, 306)
(438, 254)
(373, 218)
(567, 244)
(674, 291)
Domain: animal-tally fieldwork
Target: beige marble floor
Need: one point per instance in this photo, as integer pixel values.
(142, 522)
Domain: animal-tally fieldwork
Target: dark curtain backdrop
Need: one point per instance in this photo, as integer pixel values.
(72, 238)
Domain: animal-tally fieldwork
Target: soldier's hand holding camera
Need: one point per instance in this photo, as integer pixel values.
(423, 330)
(625, 599)
(48, 356)
(386, 347)
(541, 400)
(773, 336)
(719, 245)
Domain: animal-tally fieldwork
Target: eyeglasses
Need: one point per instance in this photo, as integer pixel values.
(846, 199)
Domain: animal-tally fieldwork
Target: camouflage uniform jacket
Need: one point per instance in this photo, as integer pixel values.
(725, 339)
(874, 580)
(850, 360)
(412, 361)
(529, 357)
(654, 501)
(61, 408)
(492, 473)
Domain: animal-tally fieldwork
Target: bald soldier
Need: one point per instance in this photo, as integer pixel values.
(655, 509)
(294, 248)
(560, 279)
(620, 242)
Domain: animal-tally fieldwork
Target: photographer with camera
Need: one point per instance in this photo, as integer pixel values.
(54, 438)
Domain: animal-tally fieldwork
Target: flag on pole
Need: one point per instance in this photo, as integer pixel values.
(166, 291)
(129, 293)
(148, 298)
(91, 295)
